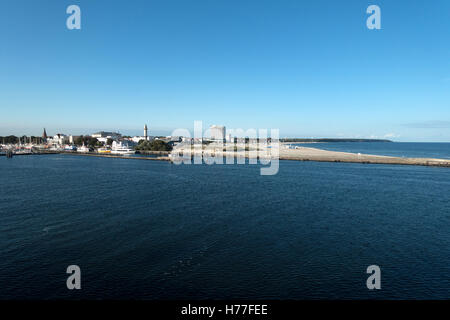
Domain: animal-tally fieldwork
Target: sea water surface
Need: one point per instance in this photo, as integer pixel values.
(153, 230)
(393, 149)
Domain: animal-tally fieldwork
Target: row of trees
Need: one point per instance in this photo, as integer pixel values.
(79, 141)
(9, 140)
(23, 139)
(87, 141)
(90, 142)
(155, 145)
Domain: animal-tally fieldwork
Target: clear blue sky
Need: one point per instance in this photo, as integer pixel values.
(309, 68)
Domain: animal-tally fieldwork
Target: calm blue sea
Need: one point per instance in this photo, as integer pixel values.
(394, 149)
(154, 230)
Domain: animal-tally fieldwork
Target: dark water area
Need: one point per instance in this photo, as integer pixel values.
(393, 149)
(155, 230)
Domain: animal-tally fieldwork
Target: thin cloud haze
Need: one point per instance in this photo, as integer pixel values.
(433, 124)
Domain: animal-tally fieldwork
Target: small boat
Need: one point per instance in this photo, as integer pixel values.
(70, 148)
(22, 151)
(104, 150)
(83, 149)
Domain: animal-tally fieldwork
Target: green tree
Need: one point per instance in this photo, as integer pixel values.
(78, 140)
(155, 145)
(9, 140)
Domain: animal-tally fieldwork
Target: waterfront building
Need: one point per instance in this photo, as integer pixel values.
(106, 135)
(103, 140)
(59, 139)
(217, 132)
(136, 139)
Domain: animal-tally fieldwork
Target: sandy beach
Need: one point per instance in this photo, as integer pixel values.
(313, 154)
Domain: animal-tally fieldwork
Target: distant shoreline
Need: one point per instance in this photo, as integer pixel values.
(302, 140)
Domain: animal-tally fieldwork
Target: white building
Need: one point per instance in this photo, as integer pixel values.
(139, 138)
(106, 135)
(59, 139)
(103, 140)
(217, 132)
(103, 136)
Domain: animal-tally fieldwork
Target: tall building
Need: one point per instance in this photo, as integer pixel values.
(44, 135)
(217, 132)
(145, 137)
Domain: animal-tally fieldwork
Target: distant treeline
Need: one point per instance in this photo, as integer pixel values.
(332, 140)
(155, 145)
(24, 139)
(89, 141)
